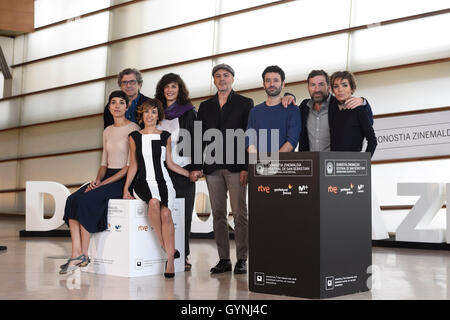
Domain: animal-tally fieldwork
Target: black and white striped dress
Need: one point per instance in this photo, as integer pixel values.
(153, 179)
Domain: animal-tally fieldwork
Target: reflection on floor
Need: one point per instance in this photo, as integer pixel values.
(29, 270)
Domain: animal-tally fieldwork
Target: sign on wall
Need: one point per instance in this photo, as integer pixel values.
(411, 136)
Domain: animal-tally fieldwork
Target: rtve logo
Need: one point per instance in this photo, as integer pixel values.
(265, 189)
(142, 228)
(332, 189)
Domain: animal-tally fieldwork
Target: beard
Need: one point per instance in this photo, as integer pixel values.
(274, 93)
(319, 98)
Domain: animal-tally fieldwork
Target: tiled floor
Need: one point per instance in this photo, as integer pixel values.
(29, 270)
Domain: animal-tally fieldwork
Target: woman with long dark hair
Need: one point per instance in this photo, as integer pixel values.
(179, 114)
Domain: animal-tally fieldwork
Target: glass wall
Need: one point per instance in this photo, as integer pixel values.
(153, 35)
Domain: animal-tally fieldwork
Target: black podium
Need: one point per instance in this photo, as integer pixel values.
(310, 224)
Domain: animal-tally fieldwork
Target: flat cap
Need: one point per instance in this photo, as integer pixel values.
(223, 66)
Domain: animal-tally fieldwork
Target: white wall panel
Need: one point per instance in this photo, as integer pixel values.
(157, 14)
(233, 5)
(19, 49)
(406, 89)
(8, 203)
(9, 144)
(8, 176)
(65, 103)
(372, 11)
(61, 137)
(282, 22)
(399, 43)
(164, 48)
(50, 11)
(78, 67)
(9, 113)
(68, 36)
(17, 83)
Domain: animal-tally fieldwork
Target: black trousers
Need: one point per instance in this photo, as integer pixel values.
(184, 188)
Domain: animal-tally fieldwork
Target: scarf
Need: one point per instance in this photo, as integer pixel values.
(177, 110)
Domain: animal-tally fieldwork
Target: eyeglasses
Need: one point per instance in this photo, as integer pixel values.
(129, 82)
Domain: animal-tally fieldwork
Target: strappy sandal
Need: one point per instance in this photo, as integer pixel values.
(82, 264)
(85, 262)
(67, 268)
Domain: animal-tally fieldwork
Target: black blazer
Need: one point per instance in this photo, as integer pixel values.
(186, 121)
(234, 115)
(332, 109)
(107, 116)
(349, 129)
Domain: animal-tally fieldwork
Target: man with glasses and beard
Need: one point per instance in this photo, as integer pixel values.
(277, 128)
(317, 113)
(130, 81)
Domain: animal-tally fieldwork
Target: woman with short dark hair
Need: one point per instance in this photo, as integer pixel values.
(150, 152)
(86, 209)
(349, 127)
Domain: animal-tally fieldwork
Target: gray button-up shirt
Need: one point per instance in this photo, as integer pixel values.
(318, 127)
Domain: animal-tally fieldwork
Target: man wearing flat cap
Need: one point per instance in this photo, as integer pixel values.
(226, 110)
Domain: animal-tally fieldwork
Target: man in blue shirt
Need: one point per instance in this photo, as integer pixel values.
(276, 128)
(130, 81)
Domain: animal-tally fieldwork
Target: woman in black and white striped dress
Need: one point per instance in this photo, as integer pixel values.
(150, 151)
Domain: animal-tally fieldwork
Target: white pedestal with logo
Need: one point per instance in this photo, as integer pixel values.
(129, 248)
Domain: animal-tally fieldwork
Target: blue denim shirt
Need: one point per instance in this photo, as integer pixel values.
(130, 114)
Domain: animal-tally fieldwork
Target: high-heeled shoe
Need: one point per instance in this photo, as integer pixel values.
(168, 275)
(176, 255)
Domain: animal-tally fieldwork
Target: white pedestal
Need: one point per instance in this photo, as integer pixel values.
(129, 248)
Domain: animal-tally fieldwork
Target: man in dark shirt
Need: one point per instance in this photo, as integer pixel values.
(317, 112)
(226, 110)
(130, 81)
